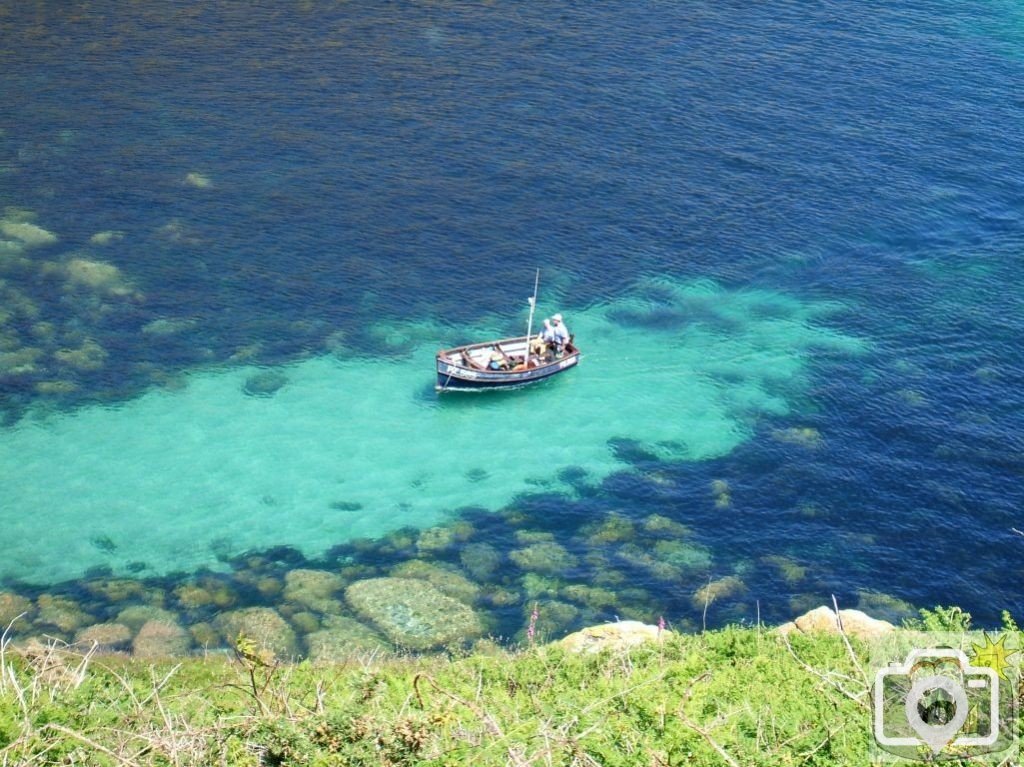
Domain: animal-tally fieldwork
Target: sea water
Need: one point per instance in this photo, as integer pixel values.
(787, 238)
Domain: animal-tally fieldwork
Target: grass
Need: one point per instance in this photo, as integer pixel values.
(737, 696)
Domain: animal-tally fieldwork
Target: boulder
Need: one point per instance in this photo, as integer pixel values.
(481, 560)
(261, 624)
(106, 636)
(160, 639)
(615, 637)
(136, 616)
(314, 589)
(544, 557)
(413, 613)
(341, 638)
(14, 610)
(823, 620)
(451, 583)
(62, 612)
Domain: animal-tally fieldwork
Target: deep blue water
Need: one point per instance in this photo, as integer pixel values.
(399, 162)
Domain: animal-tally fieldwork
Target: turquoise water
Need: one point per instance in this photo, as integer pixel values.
(177, 479)
(787, 237)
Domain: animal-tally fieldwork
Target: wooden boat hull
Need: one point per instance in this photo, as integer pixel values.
(464, 367)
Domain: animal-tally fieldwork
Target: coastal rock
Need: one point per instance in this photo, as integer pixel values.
(823, 620)
(554, 617)
(614, 637)
(136, 616)
(412, 613)
(544, 557)
(160, 639)
(261, 624)
(436, 539)
(115, 589)
(107, 637)
(205, 593)
(448, 582)
(481, 560)
(315, 589)
(341, 638)
(61, 612)
(15, 611)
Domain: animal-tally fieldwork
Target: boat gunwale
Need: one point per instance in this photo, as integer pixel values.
(443, 357)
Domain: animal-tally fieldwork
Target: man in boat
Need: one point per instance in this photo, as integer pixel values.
(555, 334)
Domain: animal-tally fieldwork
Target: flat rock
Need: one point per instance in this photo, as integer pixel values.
(612, 636)
(413, 613)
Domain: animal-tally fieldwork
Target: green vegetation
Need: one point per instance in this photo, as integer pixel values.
(738, 696)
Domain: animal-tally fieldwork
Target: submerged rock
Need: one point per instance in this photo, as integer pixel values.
(315, 589)
(437, 539)
(448, 582)
(198, 180)
(614, 529)
(722, 492)
(553, 618)
(30, 234)
(116, 589)
(205, 593)
(544, 557)
(14, 610)
(413, 613)
(806, 436)
(88, 357)
(341, 638)
(106, 636)
(160, 639)
(264, 383)
(663, 527)
(261, 624)
(886, 606)
(789, 569)
(106, 237)
(614, 637)
(723, 588)
(61, 612)
(136, 616)
(97, 276)
(480, 560)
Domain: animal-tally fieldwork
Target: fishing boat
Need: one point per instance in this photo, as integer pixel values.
(505, 363)
(500, 364)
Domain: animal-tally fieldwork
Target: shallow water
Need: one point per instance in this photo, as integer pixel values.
(787, 238)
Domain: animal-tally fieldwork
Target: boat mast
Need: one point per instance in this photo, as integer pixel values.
(529, 322)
